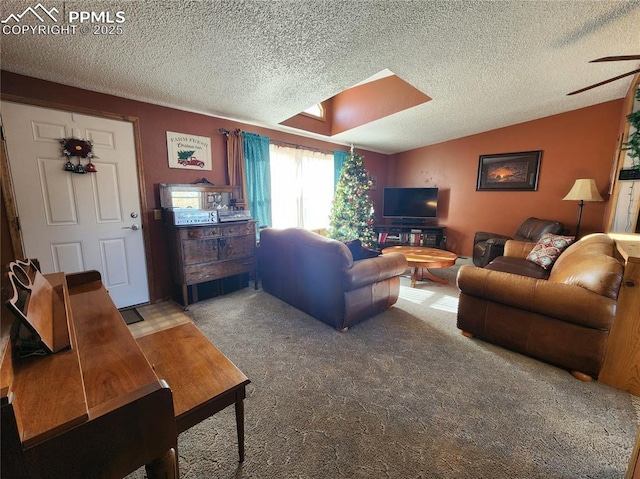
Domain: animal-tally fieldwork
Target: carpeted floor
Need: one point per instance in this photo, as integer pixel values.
(402, 395)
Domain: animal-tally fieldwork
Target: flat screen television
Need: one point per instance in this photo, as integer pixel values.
(410, 203)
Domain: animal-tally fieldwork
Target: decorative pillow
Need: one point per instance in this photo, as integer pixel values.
(360, 252)
(548, 248)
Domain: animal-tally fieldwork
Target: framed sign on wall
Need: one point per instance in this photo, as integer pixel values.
(188, 151)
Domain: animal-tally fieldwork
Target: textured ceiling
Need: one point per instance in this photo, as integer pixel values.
(486, 64)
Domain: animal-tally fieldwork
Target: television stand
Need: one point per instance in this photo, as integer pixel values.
(409, 222)
(414, 234)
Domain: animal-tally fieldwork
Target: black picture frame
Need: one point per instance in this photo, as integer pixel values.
(509, 171)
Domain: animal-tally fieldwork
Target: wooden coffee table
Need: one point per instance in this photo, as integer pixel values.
(420, 258)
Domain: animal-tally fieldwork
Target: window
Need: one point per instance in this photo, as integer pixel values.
(316, 111)
(301, 187)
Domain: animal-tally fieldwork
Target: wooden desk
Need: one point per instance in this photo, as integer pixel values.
(203, 381)
(421, 257)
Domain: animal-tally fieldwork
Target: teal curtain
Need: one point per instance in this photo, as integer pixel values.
(339, 157)
(258, 174)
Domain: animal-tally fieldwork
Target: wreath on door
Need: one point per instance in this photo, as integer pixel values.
(77, 148)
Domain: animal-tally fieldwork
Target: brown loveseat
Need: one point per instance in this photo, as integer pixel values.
(319, 276)
(562, 316)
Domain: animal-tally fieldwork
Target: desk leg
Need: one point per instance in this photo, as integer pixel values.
(185, 297)
(240, 395)
(165, 467)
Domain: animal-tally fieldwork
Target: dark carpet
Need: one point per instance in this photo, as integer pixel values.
(402, 395)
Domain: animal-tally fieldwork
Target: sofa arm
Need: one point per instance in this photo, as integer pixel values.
(518, 249)
(492, 248)
(556, 300)
(486, 235)
(485, 248)
(371, 270)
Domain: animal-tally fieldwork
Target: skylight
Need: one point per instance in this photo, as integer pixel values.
(316, 111)
(374, 98)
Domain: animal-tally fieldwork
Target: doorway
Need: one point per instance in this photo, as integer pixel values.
(77, 222)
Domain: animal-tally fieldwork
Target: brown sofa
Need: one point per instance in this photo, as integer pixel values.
(562, 316)
(319, 276)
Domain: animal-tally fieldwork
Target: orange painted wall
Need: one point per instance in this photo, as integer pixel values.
(314, 125)
(577, 144)
(362, 104)
(154, 122)
(373, 100)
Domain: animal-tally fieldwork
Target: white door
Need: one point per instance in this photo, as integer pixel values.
(76, 222)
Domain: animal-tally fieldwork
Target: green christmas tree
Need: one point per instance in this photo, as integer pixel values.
(352, 208)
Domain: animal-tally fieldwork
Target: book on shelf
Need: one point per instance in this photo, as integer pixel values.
(412, 239)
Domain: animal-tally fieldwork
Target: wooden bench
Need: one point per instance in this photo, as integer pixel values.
(203, 381)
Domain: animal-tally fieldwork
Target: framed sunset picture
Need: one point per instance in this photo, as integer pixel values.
(509, 171)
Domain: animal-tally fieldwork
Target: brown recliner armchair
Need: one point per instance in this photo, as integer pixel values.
(488, 246)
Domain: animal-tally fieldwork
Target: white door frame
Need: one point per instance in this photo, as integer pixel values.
(9, 195)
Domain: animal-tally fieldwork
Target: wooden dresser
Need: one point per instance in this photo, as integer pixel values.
(204, 253)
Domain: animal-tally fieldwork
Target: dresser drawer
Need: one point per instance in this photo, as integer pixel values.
(236, 247)
(201, 232)
(199, 273)
(237, 229)
(200, 251)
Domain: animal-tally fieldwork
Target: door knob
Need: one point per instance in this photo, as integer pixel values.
(132, 227)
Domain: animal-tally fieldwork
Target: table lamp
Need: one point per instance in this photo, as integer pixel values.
(584, 189)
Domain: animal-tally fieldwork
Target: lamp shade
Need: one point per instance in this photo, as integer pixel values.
(584, 189)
